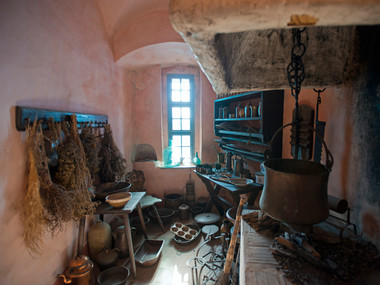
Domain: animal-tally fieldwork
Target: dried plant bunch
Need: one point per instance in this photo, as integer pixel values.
(113, 166)
(73, 173)
(33, 216)
(137, 180)
(90, 148)
(57, 203)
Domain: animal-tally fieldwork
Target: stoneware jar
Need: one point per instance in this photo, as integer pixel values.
(99, 238)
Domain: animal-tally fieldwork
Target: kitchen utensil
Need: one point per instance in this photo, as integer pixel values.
(99, 238)
(183, 231)
(219, 155)
(320, 127)
(206, 219)
(295, 191)
(184, 241)
(224, 277)
(118, 200)
(79, 271)
(238, 165)
(183, 212)
(121, 241)
(107, 258)
(149, 252)
(117, 275)
(209, 231)
(104, 189)
(165, 214)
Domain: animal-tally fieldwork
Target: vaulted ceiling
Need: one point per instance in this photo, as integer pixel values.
(240, 44)
(141, 34)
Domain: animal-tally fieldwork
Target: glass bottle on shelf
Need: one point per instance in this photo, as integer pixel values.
(196, 159)
(237, 110)
(248, 110)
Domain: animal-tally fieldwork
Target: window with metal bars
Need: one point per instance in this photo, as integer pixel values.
(181, 102)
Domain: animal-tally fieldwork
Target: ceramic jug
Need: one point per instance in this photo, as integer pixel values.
(99, 238)
(121, 242)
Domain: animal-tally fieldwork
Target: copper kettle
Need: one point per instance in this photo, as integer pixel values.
(79, 269)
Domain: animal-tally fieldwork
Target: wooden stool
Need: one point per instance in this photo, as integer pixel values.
(150, 201)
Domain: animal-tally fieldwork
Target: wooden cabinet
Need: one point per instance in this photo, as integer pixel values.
(246, 122)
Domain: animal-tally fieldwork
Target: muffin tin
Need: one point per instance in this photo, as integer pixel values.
(184, 231)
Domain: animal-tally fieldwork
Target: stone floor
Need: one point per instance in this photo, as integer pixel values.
(172, 267)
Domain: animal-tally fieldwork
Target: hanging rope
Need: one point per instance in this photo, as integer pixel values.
(296, 75)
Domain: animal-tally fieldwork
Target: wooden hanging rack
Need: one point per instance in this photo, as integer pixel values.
(25, 115)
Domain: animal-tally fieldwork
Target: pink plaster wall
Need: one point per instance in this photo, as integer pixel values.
(335, 111)
(53, 54)
(148, 126)
(344, 137)
(151, 28)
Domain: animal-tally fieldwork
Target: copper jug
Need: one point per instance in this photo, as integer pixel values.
(79, 271)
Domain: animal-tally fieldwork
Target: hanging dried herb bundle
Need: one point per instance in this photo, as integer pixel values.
(33, 216)
(73, 173)
(46, 205)
(113, 167)
(90, 148)
(137, 180)
(57, 202)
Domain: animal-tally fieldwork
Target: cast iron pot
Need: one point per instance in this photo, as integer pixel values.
(117, 275)
(166, 215)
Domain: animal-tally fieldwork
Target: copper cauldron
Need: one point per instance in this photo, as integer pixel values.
(295, 191)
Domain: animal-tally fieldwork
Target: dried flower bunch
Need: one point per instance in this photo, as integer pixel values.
(90, 147)
(113, 167)
(46, 205)
(72, 160)
(73, 173)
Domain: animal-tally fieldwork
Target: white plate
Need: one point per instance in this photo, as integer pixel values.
(240, 182)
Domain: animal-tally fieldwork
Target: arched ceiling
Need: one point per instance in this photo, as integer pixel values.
(141, 33)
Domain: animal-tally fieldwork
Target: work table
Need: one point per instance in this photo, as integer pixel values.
(257, 264)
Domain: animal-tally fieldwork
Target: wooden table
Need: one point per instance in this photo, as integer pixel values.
(257, 264)
(214, 186)
(105, 208)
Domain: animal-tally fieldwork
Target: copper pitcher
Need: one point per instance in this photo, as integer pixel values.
(78, 271)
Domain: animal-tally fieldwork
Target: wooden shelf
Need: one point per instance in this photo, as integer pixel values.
(243, 134)
(238, 119)
(270, 106)
(255, 156)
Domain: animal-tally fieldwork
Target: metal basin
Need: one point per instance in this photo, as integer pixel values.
(117, 275)
(149, 252)
(295, 191)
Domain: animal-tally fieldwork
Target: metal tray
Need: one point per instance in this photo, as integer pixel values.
(183, 241)
(149, 252)
(104, 189)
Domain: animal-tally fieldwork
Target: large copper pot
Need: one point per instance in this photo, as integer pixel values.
(295, 191)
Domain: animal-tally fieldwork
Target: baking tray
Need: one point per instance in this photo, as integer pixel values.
(184, 241)
(149, 252)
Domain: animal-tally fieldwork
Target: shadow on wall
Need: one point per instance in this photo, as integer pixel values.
(366, 136)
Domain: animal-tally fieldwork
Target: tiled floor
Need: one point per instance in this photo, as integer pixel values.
(171, 268)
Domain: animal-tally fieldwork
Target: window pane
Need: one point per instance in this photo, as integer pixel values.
(186, 113)
(176, 84)
(186, 140)
(176, 157)
(176, 112)
(176, 142)
(176, 96)
(185, 124)
(185, 96)
(185, 84)
(186, 152)
(176, 124)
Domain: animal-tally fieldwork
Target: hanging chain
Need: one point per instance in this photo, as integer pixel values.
(319, 101)
(296, 75)
(296, 69)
